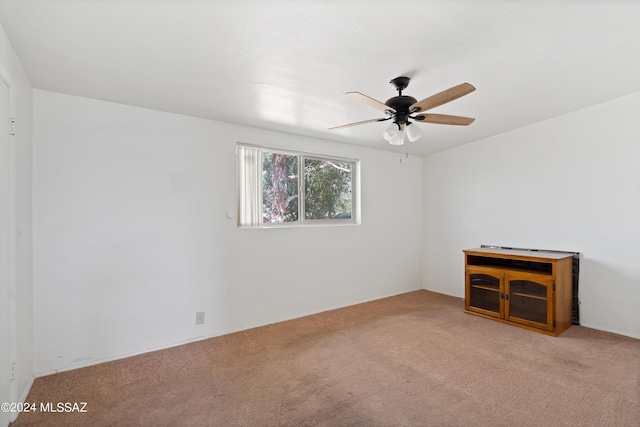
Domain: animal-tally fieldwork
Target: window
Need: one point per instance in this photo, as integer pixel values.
(285, 188)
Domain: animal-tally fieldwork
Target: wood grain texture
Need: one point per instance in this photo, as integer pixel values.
(556, 280)
(443, 97)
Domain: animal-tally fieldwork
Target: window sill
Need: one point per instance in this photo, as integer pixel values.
(306, 224)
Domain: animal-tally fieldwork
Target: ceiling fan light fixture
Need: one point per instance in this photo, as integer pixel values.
(393, 134)
(413, 132)
(398, 139)
(390, 131)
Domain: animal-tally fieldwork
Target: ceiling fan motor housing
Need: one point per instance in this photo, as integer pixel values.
(401, 104)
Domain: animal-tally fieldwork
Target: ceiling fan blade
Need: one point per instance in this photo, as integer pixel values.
(443, 97)
(359, 123)
(444, 119)
(370, 101)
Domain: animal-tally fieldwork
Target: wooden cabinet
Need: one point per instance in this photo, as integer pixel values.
(529, 289)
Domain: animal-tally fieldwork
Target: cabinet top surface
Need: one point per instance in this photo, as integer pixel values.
(517, 253)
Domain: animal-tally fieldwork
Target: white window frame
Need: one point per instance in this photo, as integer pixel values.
(302, 221)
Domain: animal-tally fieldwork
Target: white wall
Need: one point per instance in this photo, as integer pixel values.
(570, 183)
(16, 342)
(131, 236)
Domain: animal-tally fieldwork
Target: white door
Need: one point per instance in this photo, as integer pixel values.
(6, 207)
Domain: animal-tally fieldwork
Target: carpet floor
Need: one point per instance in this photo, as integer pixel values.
(414, 359)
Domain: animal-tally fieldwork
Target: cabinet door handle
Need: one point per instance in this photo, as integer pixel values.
(506, 296)
(501, 295)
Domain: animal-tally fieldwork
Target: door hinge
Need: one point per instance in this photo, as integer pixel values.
(13, 371)
(554, 323)
(12, 126)
(553, 287)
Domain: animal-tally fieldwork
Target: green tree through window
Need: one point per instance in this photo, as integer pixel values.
(327, 189)
(279, 187)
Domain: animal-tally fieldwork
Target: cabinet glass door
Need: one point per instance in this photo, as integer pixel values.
(484, 292)
(529, 300)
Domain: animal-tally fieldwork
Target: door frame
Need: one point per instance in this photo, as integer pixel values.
(8, 237)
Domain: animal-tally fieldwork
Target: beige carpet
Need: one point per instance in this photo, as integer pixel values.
(411, 360)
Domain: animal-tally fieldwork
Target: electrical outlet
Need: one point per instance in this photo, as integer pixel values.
(199, 317)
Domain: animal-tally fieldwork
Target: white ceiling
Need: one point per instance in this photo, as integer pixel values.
(285, 64)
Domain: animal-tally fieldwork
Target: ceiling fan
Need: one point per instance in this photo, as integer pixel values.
(401, 108)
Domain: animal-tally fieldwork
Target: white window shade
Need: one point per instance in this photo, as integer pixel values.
(249, 194)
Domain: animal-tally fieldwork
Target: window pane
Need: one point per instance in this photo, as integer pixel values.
(279, 187)
(327, 189)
